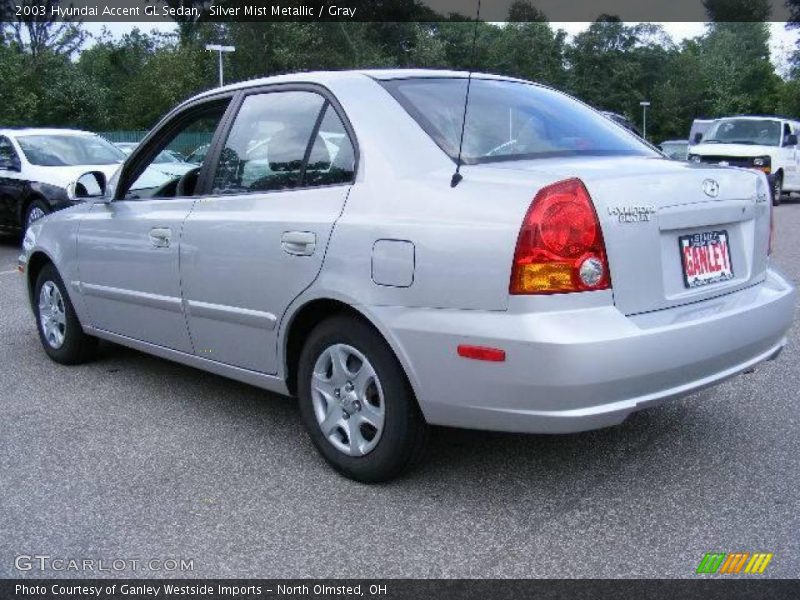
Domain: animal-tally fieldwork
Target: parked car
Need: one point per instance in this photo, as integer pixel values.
(127, 147)
(168, 161)
(699, 127)
(675, 149)
(198, 155)
(622, 120)
(767, 144)
(37, 167)
(555, 276)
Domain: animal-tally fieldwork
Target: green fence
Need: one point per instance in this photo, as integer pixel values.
(185, 143)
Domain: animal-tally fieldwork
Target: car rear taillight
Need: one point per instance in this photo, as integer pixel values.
(560, 246)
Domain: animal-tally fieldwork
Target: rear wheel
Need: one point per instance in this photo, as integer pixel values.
(60, 331)
(36, 210)
(777, 189)
(356, 403)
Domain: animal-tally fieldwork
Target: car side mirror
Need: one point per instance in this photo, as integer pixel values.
(9, 164)
(791, 139)
(697, 137)
(89, 186)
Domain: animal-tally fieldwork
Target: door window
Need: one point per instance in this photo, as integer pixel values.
(284, 140)
(186, 141)
(332, 159)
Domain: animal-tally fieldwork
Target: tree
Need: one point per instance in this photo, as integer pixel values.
(735, 58)
(39, 34)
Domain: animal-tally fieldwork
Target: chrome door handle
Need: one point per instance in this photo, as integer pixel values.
(299, 243)
(160, 237)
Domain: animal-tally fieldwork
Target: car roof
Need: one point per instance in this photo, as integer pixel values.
(329, 77)
(23, 131)
(675, 142)
(756, 117)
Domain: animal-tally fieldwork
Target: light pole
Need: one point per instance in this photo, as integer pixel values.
(644, 104)
(220, 49)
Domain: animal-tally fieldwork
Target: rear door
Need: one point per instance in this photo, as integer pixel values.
(258, 237)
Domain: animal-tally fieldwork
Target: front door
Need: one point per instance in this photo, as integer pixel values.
(258, 239)
(129, 248)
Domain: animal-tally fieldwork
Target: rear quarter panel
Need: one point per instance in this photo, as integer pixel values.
(464, 236)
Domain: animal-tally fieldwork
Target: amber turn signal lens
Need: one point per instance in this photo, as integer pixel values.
(544, 277)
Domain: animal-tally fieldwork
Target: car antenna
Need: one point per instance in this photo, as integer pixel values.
(457, 176)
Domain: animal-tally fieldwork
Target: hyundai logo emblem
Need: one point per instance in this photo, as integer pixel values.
(711, 188)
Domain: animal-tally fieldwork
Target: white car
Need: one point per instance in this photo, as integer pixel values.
(39, 168)
(767, 144)
(556, 275)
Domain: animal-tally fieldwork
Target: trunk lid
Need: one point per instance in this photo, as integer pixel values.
(650, 210)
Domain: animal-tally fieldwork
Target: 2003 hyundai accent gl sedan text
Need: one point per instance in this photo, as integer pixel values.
(573, 276)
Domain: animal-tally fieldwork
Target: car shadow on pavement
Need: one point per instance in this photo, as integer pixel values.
(660, 436)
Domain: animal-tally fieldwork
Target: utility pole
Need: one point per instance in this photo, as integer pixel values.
(644, 104)
(219, 50)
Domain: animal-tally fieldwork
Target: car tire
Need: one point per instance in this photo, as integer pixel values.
(60, 332)
(777, 189)
(361, 415)
(35, 211)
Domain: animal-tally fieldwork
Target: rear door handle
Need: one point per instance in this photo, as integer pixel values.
(160, 237)
(299, 243)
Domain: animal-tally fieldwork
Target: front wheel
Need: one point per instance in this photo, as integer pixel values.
(356, 403)
(60, 331)
(36, 211)
(777, 189)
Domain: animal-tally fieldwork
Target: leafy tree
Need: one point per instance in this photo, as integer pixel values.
(40, 34)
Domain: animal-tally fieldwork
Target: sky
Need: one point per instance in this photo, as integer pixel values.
(782, 42)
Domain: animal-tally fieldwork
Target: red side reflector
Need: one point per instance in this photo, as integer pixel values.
(482, 353)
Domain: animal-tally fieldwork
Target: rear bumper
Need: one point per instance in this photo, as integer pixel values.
(583, 369)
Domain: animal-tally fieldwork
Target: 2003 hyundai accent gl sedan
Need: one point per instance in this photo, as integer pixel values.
(567, 277)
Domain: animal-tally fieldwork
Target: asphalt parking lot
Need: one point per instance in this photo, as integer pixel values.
(134, 457)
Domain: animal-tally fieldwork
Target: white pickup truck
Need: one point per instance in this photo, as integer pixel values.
(766, 143)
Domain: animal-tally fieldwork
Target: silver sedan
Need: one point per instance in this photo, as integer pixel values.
(345, 242)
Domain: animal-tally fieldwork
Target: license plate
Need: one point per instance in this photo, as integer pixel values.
(706, 258)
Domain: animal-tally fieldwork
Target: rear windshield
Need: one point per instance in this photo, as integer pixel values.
(509, 120)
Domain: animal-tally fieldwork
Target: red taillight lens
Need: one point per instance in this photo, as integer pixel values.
(560, 246)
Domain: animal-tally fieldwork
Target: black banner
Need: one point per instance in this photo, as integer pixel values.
(390, 10)
(397, 589)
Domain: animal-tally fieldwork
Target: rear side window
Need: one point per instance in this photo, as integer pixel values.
(509, 120)
(284, 140)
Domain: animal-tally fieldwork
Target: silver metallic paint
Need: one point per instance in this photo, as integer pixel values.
(575, 361)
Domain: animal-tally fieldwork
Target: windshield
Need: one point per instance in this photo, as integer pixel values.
(509, 120)
(69, 150)
(760, 132)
